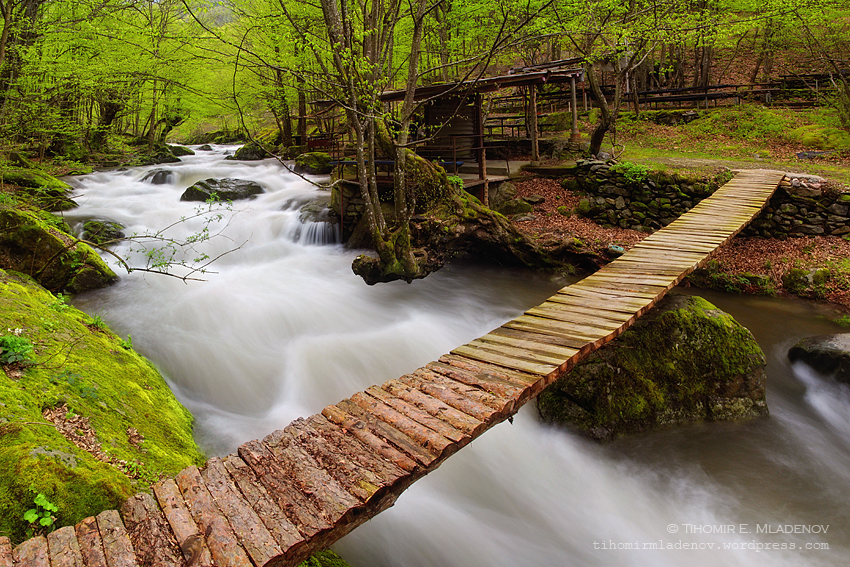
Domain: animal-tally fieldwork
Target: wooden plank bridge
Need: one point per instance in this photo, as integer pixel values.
(298, 490)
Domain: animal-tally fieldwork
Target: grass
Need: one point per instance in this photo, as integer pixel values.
(735, 137)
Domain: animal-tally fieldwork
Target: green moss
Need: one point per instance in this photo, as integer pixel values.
(325, 558)
(34, 243)
(89, 372)
(820, 137)
(684, 361)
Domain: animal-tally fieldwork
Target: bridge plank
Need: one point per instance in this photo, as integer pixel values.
(535, 355)
(496, 359)
(116, 543)
(302, 511)
(358, 481)
(558, 352)
(428, 431)
(64, 548)
(610, 309)
(32, 553)
(359, 429)
(554, 340)
(459, 396)
(390, 433)
(306, 475)
(435, 407)
(5, 552)
(565, 328)
(186, 533)
(581, 321)
(496, 386)
(341, 438)
(149, 533)
(254, 492)
(248, 527)
(623, 298)
(91, 546)
(221, 541)
(522, 379)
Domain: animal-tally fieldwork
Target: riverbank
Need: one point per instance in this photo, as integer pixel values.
(816, 267)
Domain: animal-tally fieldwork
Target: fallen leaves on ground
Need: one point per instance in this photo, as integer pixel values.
(762, 256)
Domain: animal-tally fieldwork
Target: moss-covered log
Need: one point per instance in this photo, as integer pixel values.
(683, 361)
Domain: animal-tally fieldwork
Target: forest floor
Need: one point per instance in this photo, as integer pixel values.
(741, 255)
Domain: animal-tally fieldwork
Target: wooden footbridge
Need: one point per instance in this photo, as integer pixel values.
(298, 490)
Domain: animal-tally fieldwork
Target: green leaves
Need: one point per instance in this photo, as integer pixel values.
(15, 349)
(41, 517)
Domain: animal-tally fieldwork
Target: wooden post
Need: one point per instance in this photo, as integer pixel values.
(574, 135)
(479, 122)
(532, 114)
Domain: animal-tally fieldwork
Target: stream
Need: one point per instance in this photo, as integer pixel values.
(283, 328)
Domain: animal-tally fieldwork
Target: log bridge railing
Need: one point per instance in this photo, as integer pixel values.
(300, 489)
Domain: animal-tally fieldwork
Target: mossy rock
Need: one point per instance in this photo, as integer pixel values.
(683, 361)
(180, 151)
(515, 207)
(249, 152)
(101, 231)
(314, 163)
(39, 188)
(158, 153)
(31, 244)
(326, 558)
(821, 137)
(828, 354)
(81, 365)
(805, 282)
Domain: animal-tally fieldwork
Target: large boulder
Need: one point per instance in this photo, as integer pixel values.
(40, 188)
(249, 152)
(180, 151)
(314, 163)
(158, 176)
(102, 231)
(683, 361)
(828, 354)
(227, 189)
(501, 193)
(514, 207)
(36, 244)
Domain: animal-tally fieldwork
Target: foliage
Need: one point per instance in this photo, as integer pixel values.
(41, 517)
(633, 172)
(15, 349)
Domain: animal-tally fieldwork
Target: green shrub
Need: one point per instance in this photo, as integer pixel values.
(15, 350)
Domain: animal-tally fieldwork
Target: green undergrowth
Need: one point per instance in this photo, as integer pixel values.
(78, 363)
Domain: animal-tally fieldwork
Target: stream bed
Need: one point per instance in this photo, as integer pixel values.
(283, 328)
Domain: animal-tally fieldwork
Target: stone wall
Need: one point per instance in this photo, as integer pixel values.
(801, 207)
(629, 197)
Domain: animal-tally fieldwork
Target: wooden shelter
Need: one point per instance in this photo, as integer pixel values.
(452, 122)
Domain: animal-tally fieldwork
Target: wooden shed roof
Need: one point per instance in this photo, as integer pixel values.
(489, 84)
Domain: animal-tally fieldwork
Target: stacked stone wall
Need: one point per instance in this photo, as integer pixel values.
(626, 197)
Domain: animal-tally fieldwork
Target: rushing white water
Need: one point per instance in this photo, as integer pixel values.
(284, 328)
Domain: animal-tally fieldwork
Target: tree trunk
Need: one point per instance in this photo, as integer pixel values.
(606, 117)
